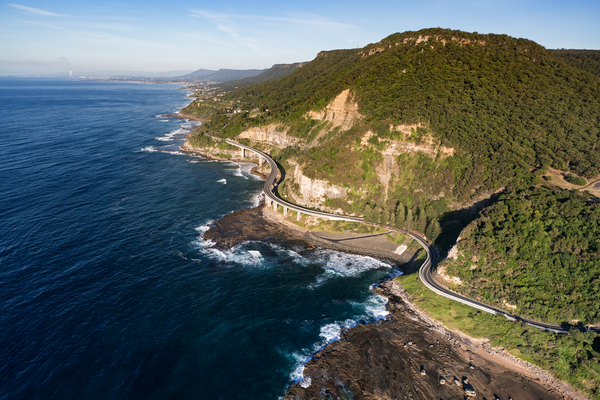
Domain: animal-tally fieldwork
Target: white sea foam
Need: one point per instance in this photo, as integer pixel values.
(373, 308)
(328, 333)
(246, 169)
(300, 359)
(238, 172)
(257, 198)
(306, 382)
(200, 242)
(177, 134)
(235, 255)
(152, 149)
(223, 181)
(174, 152)
(337, 264)
(331, 332)
(164, 120)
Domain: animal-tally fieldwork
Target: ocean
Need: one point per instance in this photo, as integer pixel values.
(107, 289)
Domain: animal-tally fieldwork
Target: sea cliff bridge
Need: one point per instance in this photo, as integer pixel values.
(426, 270)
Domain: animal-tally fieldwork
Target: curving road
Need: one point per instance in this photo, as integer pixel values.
(426, 276)
(270, 184)
(426, 270)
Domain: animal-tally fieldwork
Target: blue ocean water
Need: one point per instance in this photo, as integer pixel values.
(107, 289)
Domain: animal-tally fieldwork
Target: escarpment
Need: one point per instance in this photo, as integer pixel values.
(273, 134)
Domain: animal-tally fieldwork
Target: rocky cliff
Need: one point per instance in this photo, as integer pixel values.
(342, 111)
(274, 135)
(314, 192)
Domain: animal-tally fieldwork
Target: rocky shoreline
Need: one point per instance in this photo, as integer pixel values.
(407, 355)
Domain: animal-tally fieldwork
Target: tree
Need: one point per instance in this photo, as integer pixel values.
(433, 230)
(409, 220)
(368, 213)
(392, 220)
(376, 215)
(400, 216)
(385, 216)
(421, 221)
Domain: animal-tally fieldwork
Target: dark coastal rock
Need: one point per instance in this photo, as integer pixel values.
(407, 355)
(249, 224)
(376, 361)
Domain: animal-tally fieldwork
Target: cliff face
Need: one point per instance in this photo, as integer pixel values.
(210, 152)
(270, 135)
(313, 192)
(340, 112)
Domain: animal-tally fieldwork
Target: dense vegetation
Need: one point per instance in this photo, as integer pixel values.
(277, 71)
(588, 60)
(200, 110)
(537, 250)
(508, 109)
(505, 104)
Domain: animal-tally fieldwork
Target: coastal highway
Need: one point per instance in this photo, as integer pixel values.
(426, 276)
(426, 270)
(269, 186)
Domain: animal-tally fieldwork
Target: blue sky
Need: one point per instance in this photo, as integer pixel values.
(56, 36)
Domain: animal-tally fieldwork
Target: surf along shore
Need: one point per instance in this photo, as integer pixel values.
(408, 354)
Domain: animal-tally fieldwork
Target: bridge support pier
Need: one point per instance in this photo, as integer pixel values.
(274, 206)
(261, 161)
(243, 153)
(299, 215)
(285, 210)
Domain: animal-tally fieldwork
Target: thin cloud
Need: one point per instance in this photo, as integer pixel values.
(34, 23)
(37, 11)
(311, 23)
(121, 39)
(226, 23)
(256, 31)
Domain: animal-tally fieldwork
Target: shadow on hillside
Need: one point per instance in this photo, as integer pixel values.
(281, 179)
(596, 345)
(453, 222)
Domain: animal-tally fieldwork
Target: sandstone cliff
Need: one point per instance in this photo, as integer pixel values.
(274, 135)
(341, 111)
(312, 192)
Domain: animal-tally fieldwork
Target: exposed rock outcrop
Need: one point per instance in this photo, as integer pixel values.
(407, 356)
(342, 111)
(313, 192)
(274, 135)
(210, 152)
(379, 47)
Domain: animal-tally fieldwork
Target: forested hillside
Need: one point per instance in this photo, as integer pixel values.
(507, 107)
(535, 253)
(277, 71)
(588, 60)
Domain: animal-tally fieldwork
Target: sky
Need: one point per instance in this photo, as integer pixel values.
(47, 37)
